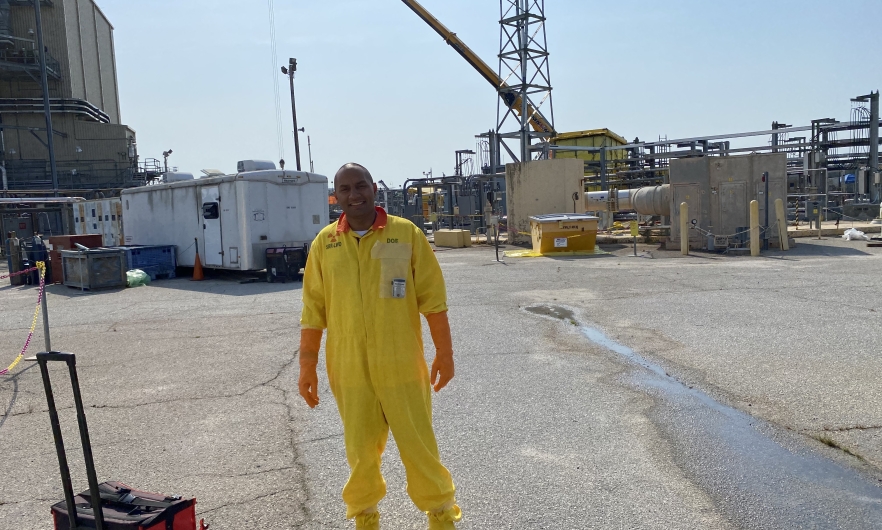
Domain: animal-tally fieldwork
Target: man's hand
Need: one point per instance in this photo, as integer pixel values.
(308, 384)
(442, 370)
(442, 366)
(310, 342)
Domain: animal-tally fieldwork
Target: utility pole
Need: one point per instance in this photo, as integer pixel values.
(292, 67)
(874, 136)
(44, 82)
(309, 146)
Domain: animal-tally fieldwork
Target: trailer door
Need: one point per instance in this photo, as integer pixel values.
(211, 227)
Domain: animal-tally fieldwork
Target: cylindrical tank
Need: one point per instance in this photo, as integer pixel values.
(598, 201)
(651, 200)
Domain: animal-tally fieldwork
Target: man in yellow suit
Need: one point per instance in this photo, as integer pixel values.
(368, 278)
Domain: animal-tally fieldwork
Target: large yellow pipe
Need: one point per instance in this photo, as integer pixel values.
(782, 224)
(754, 229)
(684, 228)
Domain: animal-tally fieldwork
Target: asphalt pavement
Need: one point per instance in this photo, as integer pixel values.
(606, 392)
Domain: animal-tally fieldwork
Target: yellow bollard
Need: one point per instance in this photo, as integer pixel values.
(782, 224)
(754, 229)
(684, 228)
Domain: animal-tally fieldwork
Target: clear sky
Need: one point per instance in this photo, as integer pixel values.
(377, 86)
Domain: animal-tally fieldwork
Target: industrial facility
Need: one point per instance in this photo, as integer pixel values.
(826, 169)
(520, 168)
(90, 149)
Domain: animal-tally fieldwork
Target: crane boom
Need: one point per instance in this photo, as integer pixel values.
(511, 99)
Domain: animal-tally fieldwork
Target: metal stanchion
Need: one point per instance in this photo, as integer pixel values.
(684, 228)
(754, 229)
(46, 339)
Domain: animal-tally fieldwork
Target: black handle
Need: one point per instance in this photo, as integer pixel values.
(43, 358)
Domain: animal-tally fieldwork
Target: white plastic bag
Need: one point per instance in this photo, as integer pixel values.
(853, 234)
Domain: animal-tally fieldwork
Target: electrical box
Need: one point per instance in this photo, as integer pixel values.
(812, 210)
(718, 191)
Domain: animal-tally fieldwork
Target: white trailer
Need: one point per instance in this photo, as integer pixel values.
(232, 218)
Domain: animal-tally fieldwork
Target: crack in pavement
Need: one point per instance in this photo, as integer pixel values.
(297, 455)
(239, 503)
(690, 291)
(320, 439)
(15, 392)
(178, 399)
(238, 475)
(149, 403)
(10, 503)
(851, 428)
(71, 445)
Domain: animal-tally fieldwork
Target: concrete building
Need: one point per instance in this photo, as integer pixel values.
(541, 187)
(93, 149)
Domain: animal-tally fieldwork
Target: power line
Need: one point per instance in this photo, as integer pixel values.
(272, 24)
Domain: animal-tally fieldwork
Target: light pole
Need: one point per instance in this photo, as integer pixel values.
(165, 155)
(289, 71)
(44, 82)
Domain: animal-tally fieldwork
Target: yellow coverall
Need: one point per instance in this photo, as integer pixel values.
(374, 348)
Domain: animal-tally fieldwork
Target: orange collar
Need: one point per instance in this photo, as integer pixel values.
(379, 222)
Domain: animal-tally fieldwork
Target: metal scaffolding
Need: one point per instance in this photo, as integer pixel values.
(523, 66)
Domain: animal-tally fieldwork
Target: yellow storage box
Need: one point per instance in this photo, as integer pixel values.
(563, 232)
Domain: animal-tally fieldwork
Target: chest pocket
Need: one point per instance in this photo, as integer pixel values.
(394, 265)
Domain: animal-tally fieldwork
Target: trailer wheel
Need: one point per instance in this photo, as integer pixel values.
(269, 277)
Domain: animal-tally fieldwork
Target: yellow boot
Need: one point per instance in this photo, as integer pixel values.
(367, 521)
(444, 518)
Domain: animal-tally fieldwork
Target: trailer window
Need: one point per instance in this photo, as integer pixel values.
(210, 210)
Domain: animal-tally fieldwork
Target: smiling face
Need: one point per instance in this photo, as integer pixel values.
(356, 192)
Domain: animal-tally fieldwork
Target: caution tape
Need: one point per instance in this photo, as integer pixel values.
(41, 266)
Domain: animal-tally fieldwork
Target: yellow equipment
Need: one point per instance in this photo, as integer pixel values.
(563, 232)
(537, 120)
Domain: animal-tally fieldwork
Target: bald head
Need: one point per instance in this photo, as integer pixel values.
(352, 166)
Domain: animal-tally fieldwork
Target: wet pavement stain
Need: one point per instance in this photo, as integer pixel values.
(557, 312)
(739, 460)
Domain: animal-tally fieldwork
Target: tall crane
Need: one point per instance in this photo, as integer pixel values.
(512, 100)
